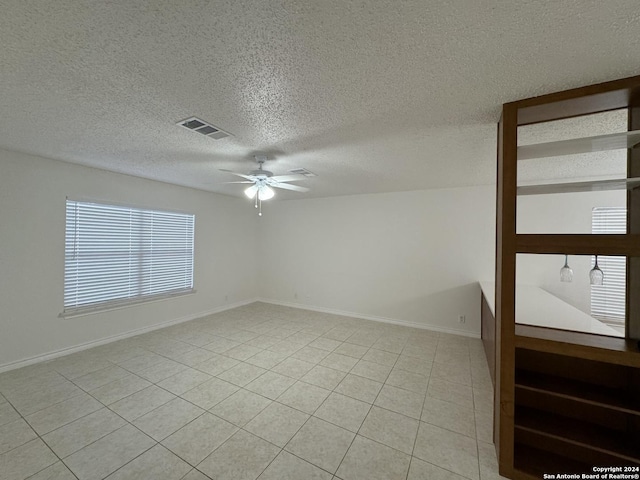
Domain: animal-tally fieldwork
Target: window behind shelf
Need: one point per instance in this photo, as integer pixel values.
(608, 300)
(117, 255)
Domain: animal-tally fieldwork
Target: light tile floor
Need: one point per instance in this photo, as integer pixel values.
(261, 391)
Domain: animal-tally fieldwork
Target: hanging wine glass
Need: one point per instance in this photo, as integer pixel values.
(596, 276)
(566, 274)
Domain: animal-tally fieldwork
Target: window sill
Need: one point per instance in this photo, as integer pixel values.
(107, 307)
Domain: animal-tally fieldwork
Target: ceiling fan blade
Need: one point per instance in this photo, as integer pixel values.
(286, 186)
(237, 174)
(288, 178)
(246, 181)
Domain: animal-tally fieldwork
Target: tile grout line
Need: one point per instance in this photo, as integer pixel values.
(239, 428)
(38, 437)
(127, 423)
(124, 419)
(312, 415)
(309, 415)
(475, 423)
(424, 399)
(347, 373)
(421, 421)
(282, 449)
(365, 417)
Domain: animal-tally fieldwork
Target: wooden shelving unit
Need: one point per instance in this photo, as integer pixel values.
(565, 401)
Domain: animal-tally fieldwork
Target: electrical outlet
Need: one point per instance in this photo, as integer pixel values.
(462, 318)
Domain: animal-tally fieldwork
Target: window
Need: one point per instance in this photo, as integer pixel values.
(116, 255)
(608, 300)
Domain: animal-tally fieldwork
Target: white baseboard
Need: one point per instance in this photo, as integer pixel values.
(95, 343)
(373, 318)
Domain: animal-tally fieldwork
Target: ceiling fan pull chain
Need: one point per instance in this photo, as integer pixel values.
(260, 211)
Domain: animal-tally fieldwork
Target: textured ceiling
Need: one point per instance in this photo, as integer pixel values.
(372, 96)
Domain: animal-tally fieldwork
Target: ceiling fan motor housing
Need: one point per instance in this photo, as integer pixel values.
(261, 173)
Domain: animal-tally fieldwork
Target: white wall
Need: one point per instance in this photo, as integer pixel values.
(32, 219)
(409, 256)
(412, 257)
(561, 213)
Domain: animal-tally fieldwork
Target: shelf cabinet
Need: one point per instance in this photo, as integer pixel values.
(565, 401)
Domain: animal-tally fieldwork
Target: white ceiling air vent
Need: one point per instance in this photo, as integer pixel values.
(196, 125)
(303, 171)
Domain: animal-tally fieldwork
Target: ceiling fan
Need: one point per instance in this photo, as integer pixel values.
(263, 182)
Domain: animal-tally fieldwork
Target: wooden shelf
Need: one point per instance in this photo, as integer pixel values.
(614, 141)
(613, 350)
(584, 435)
(532, 462)
(610, 398)
(579, 244)
(576, 187)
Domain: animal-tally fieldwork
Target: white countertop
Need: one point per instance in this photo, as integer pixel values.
(537, 307)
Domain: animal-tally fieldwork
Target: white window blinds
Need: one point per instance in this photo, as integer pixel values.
(116, 255)
(608, 300)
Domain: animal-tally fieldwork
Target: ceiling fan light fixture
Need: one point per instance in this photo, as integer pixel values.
(264, 183)
(251, 191)
(265, 193)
